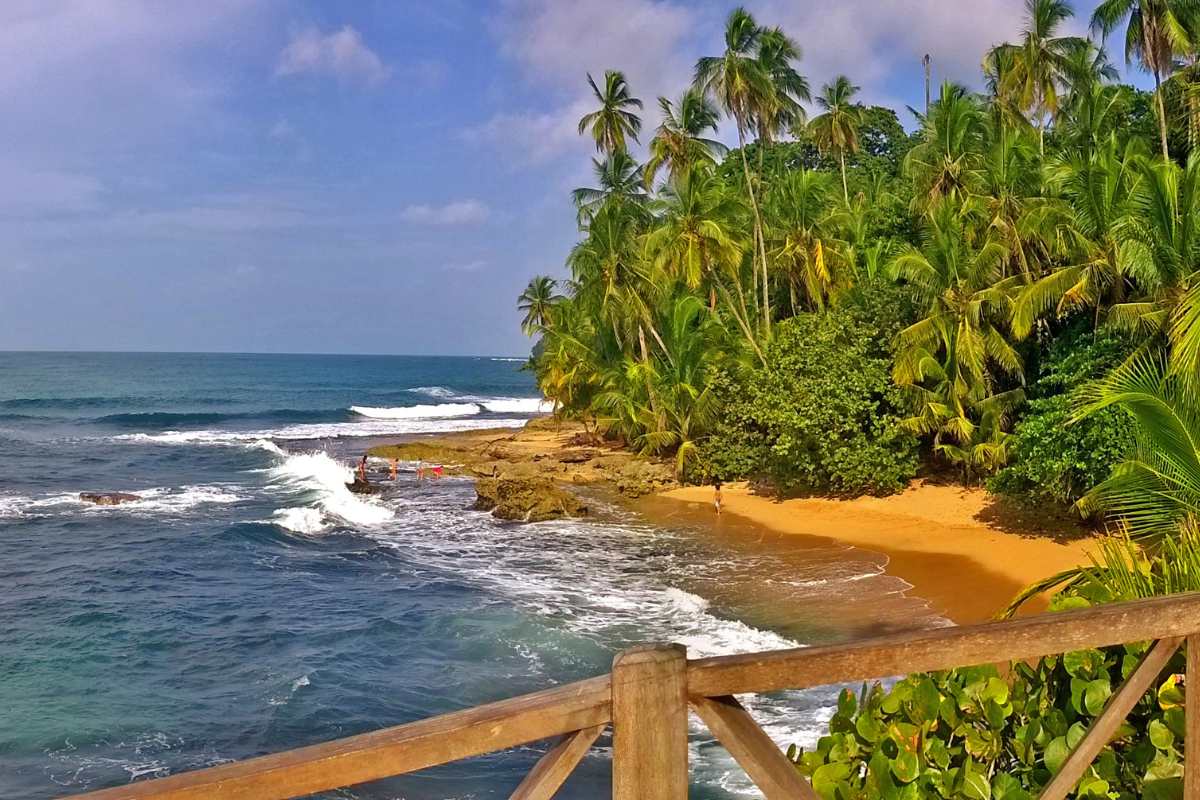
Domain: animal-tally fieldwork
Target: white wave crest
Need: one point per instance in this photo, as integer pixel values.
(331, 430)
(323, 479)
(440, 411)
(158, 500)
(518, 405)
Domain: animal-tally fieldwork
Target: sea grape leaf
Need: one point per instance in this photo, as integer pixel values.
(1160, 734)
(1056, 753)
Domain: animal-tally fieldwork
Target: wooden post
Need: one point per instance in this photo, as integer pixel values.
(650, 723)
(1191, 744)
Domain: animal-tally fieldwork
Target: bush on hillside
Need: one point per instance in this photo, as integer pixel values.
(823, 414)
(1054, 459)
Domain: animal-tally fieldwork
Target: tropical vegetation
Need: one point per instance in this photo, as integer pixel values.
(1009, 293)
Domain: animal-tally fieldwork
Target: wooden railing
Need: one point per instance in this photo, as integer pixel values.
(647, 696)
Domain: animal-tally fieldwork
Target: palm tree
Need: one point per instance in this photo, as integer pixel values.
(696, 241)
(538, 302)
(835, 132)
(1098, 190)
(1156, 32)
(1163, 233)
(950, 363)
(620, 182)
(614, 121)
(945, 162)
(803, 239)
(782, 110)
(743, 87)
(1040, 62)
(679, 144)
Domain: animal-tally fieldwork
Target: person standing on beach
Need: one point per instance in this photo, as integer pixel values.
(717, 496)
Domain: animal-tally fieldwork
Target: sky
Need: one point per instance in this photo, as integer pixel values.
(378, 176)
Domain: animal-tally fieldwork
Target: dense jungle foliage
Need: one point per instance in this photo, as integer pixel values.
(1011, 291)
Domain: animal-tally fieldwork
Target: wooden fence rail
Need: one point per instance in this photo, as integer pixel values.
(646, 701)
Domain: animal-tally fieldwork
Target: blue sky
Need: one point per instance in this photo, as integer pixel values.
(378, 176)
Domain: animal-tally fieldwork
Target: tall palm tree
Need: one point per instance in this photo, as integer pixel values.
(679, 144)
(835, 132)
(742, 86)
(1156, 32)
(1040, 62)
(781, 110)
(614, 122)
(538, 301)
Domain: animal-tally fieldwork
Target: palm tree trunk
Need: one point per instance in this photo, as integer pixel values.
(742, 324)
(845, 186)
(1162, 114)
(757, 230)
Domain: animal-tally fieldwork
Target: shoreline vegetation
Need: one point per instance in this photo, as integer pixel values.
(1009, 295)
(933, 534)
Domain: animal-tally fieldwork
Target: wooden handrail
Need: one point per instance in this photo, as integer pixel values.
(647, 695)
(947, 648)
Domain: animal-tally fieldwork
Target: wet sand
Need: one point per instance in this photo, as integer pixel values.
(957, 547)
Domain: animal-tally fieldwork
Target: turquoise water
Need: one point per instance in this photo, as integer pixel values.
(250, 604)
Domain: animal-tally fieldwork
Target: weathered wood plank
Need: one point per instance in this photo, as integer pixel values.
(750, 746)
(650, 728)
(387, 752)
(553, 769)
(947, 648)
(1101, 731)
(1191, 743)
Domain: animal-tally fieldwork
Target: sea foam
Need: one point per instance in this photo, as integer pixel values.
(323, 480)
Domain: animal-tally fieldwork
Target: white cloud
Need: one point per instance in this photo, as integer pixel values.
(556, 44)
(457, 214)
(282, 128)
(341, 54)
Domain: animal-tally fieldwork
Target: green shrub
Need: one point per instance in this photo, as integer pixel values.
(822, 414)
(1053, 459)
(969, 733)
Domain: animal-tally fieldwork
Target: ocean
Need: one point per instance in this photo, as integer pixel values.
(251, 604)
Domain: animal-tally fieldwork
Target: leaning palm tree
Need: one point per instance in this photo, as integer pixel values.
(614, 122)
(1156, 32)
(835, 132)
(1040, 62)
(742, 86)
(679, 144)
(538, 301)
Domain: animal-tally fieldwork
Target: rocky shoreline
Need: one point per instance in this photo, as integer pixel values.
(526, 475)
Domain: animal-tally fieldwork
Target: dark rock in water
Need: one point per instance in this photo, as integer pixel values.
(109, 498)
(364, 487)
(526, 499)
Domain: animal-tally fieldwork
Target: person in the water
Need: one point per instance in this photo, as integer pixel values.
(362, 468)
(395, 469)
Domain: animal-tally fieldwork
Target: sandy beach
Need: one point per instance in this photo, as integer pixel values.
(960, 548)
